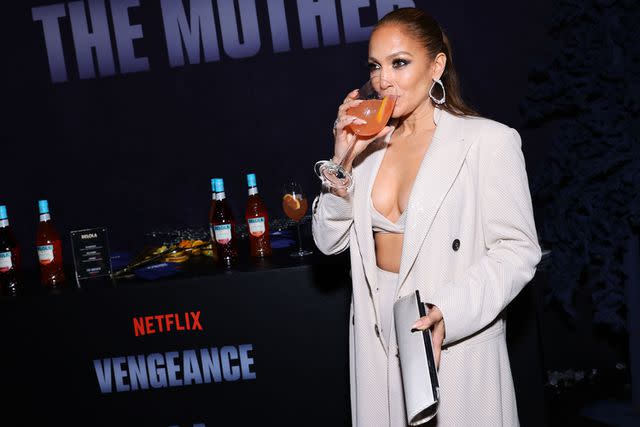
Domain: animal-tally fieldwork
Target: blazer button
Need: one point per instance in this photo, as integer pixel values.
(377, 330)
(456, 245)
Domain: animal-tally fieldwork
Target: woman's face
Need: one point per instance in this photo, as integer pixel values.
(403, 61)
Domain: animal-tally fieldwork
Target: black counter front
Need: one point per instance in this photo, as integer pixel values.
(263, 346)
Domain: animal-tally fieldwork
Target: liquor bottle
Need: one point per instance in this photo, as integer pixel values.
(257, 221)
(49, 249)
(212, 210)
(9, 258)
(224, 227)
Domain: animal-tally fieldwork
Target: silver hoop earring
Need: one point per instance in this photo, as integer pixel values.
(444, 95)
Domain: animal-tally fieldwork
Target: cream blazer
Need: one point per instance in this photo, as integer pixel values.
(470, 246)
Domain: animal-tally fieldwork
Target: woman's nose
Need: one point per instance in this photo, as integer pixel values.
(383, 78)
(385, 83)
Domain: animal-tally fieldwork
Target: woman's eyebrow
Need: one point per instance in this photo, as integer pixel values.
(402, 52)
(393, 55)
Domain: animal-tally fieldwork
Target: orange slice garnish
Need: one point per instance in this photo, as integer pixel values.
(291, 201)
(381, 109)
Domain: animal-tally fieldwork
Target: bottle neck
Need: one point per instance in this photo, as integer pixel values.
(253, 191)
(219, 196)
(4, 223)
(45, 217)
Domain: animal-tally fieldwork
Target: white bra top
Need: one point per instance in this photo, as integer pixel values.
(381, 224)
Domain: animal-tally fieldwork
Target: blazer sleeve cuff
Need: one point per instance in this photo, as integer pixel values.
(447, 304)
(334, 206)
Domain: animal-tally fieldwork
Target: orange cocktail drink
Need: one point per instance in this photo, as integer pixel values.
(376, 112)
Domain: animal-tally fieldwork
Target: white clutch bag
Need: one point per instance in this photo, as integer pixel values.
(419, 373)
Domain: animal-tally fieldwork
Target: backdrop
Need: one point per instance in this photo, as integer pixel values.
(120, 111)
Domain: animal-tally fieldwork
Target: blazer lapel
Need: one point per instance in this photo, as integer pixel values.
(362, 215)
(438, 170)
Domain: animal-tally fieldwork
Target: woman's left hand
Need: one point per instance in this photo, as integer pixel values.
(435, 321)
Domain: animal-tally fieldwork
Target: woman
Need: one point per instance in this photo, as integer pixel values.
(440, 203)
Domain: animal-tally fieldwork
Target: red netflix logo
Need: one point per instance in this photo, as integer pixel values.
(147, 325)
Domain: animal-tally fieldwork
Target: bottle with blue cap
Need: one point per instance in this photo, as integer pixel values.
(224, 227)
(257, 221)
(49, 248)
(212, 210)
(9, 257)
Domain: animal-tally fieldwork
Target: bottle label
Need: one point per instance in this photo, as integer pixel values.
(45, 254)
(256, 226)
(5, 262)
(4, 223)
(45, 217)
(223, 233)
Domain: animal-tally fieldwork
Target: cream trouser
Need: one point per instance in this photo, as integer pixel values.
(387, 282)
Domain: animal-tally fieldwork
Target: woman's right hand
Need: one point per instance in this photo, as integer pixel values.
(344, 138)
